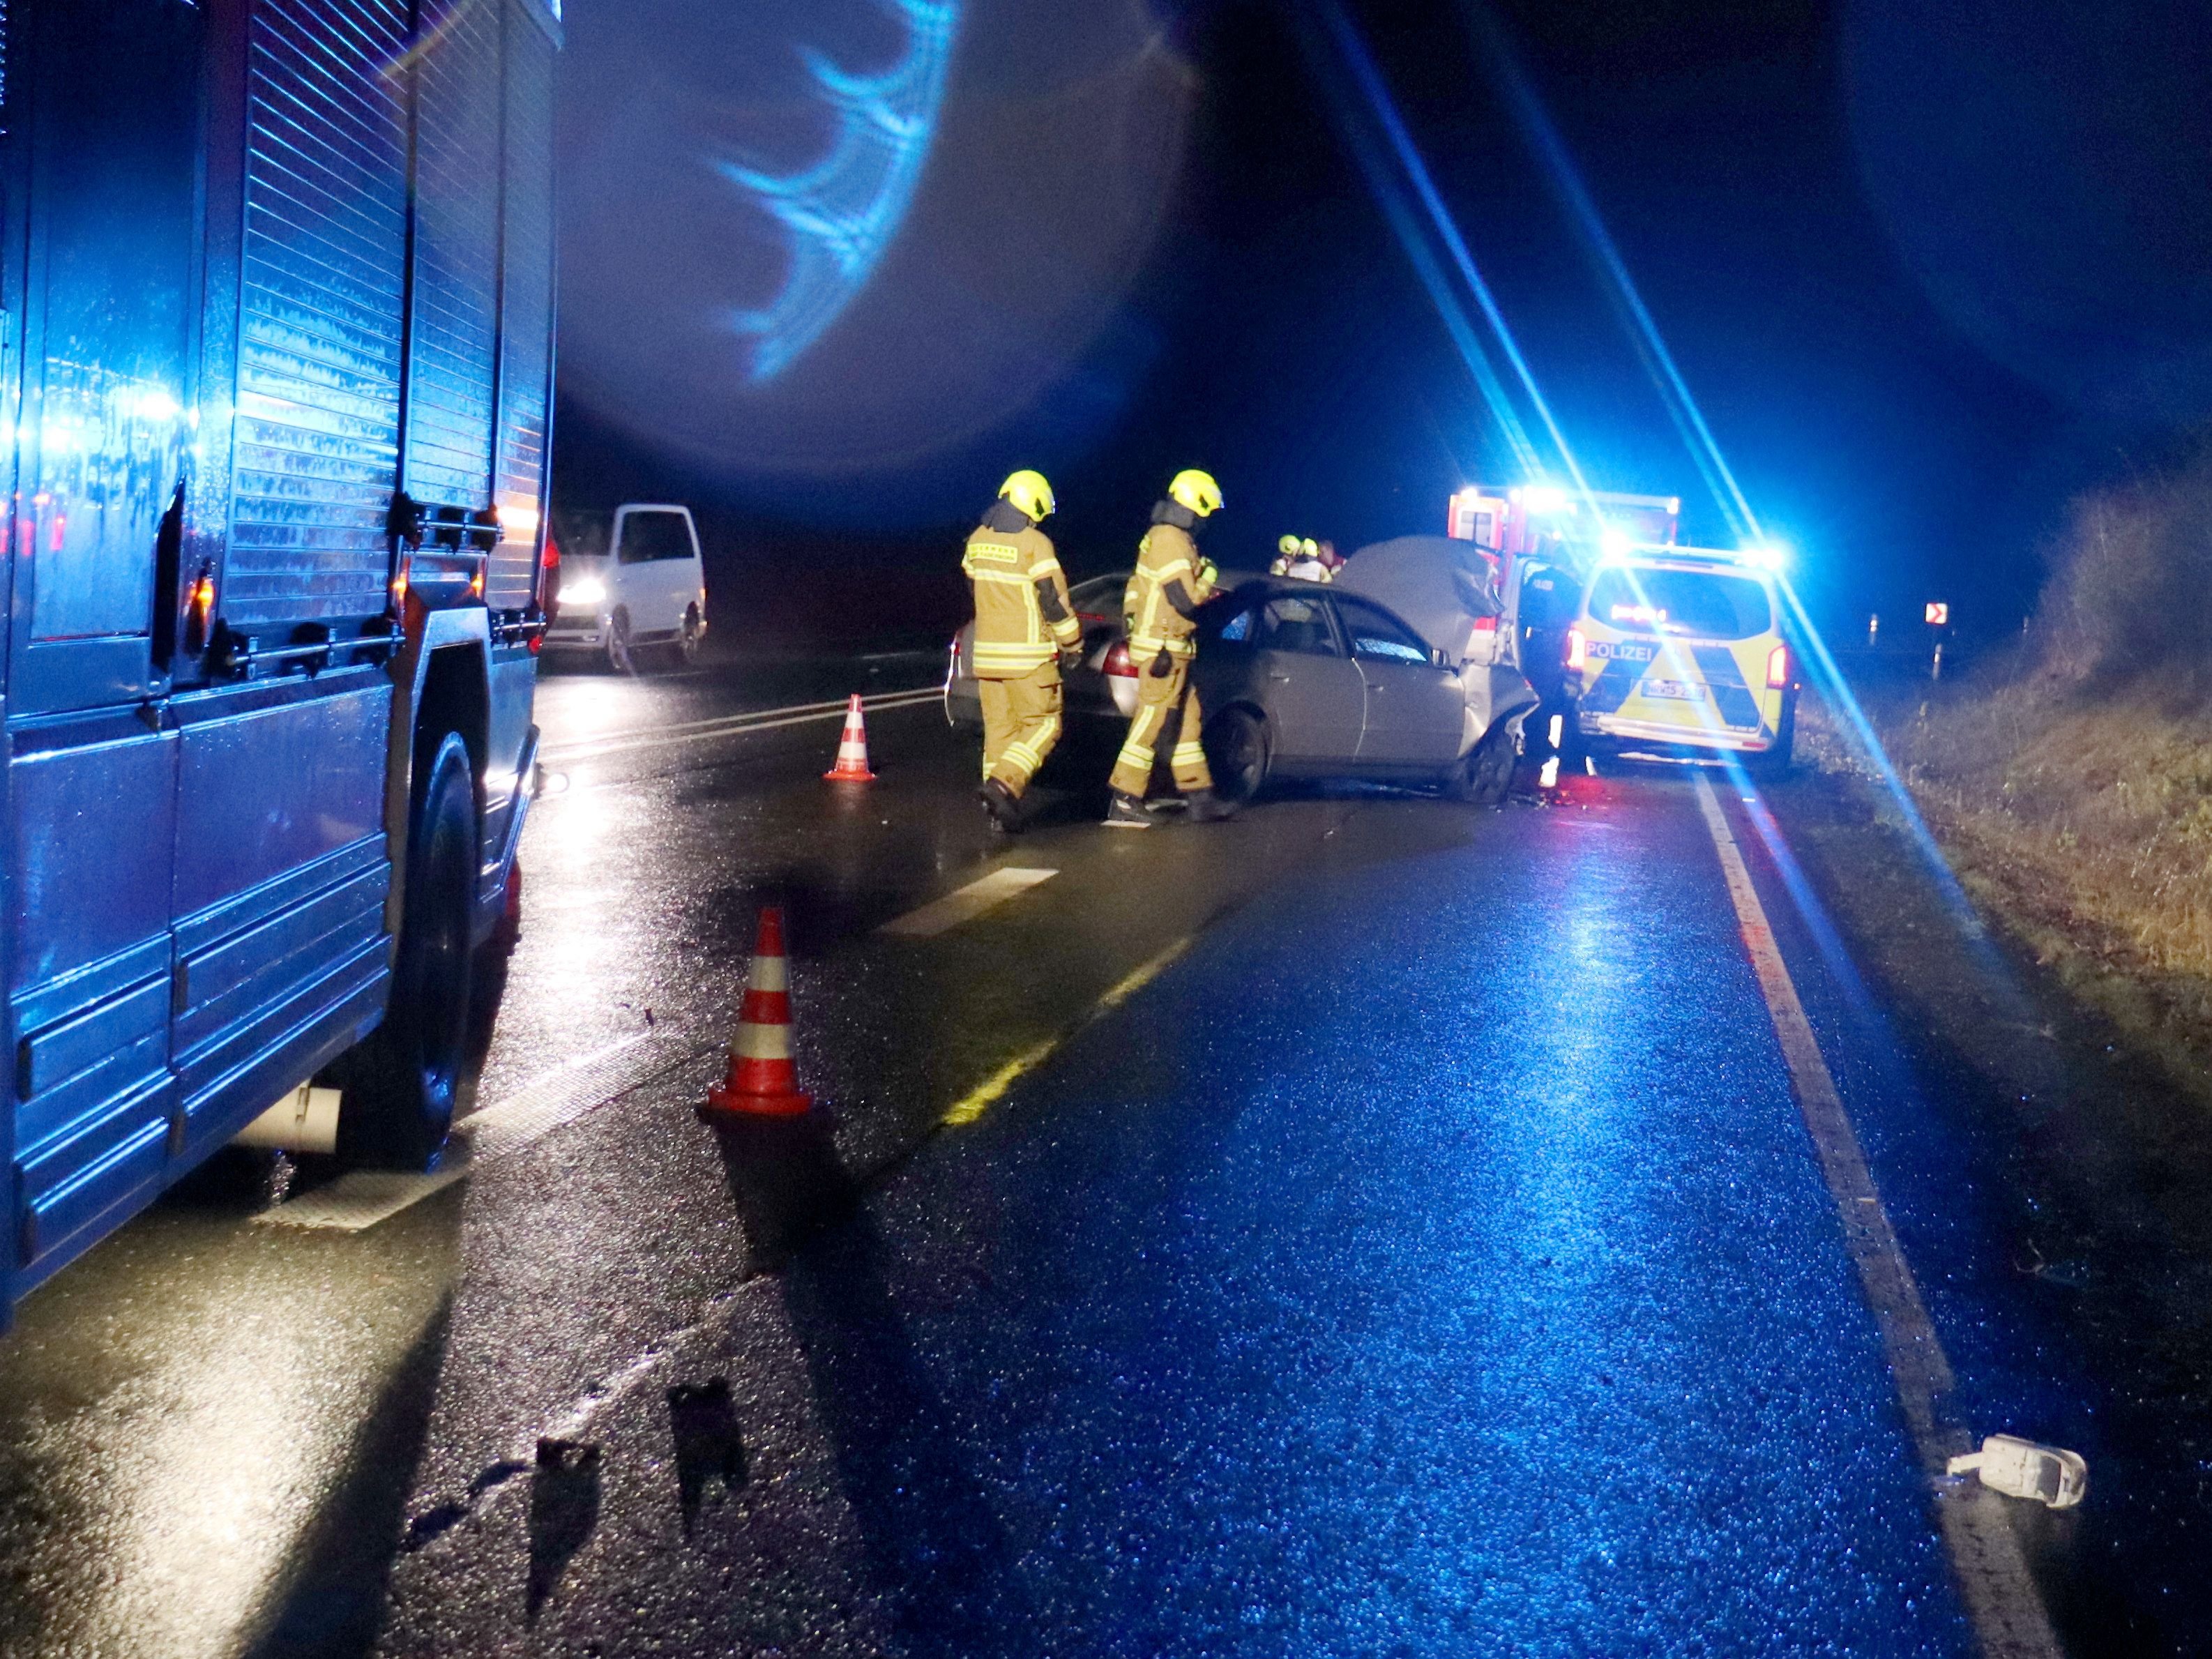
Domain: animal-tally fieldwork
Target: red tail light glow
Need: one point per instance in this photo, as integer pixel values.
(1777, 668)
(1117, 660)
(1577, 650)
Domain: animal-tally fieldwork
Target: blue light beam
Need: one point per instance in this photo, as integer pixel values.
(1682, 409)
(1352, 52)
(1697, 435)
(843, 211)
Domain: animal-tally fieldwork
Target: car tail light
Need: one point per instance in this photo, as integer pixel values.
(1117, 660)
(1777, 668)
(1092, 616)
(1485, 624)
(1578, 649)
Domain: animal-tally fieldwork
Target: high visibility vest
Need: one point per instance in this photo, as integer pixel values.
(1012, 638)
(1166, 555)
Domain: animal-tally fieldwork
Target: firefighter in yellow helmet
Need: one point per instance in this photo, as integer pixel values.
(1025, 631)
(1163, 597)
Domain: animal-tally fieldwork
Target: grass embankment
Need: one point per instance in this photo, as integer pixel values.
(2070, 783)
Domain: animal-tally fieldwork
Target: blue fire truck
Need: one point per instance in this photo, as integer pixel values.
(274, 373)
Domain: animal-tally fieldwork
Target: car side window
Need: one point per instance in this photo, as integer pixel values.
(649, 538)
(1376, 638)
(1300, 625)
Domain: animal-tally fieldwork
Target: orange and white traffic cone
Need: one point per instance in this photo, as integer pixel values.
(851, 765)
(761, 1081)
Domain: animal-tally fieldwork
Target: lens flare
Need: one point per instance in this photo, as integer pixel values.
(842, 212)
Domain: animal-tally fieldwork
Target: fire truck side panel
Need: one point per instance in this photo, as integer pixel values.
(526, 309)
(320, 327)
(228, 368)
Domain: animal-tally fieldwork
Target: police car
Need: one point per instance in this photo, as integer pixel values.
(1683, 647)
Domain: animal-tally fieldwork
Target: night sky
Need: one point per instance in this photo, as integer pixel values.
(1929, 267)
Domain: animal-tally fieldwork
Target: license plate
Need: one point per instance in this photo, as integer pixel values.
(1675, 690)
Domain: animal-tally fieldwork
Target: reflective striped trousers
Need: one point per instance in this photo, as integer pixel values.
(1167, 711)
(1021, 724)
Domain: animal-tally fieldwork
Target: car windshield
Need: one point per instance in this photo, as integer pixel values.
(1701, 603)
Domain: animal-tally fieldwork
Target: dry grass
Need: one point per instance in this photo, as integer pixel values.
(2071, 786)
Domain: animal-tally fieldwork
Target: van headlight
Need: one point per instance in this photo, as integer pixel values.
(585, 593)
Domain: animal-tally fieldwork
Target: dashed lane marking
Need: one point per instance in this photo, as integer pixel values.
(733, 726)
(361, 1198)
(2000, 1593)
(942, 915)
(973, 1105)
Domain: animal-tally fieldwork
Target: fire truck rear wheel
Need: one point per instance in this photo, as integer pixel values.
(400, 1084)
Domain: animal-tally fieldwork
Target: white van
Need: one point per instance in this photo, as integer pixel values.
(631, 585)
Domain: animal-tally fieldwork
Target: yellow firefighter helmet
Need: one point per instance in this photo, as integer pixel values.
(1287, 546)
(1030, 492)
(1197, 491)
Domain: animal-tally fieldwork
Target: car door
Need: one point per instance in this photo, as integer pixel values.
(1416, 711)
(1313, 697)
(657, 562)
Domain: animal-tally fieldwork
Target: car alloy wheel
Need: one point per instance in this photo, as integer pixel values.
(1236, 751)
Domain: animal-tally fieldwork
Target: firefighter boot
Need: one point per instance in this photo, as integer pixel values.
(1000, 803)
(1127, 812)
(1206, 807)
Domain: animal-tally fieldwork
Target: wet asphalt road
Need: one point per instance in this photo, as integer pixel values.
(1376, 1226)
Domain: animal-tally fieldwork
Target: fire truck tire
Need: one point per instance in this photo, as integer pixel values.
(400, 1084)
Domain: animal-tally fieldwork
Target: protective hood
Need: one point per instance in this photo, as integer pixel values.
(1177, 513)
(1005, 518)
(1439, 585)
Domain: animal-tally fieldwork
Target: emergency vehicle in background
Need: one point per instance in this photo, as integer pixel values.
(1631, 639)
(1542, 544)
(278, 289)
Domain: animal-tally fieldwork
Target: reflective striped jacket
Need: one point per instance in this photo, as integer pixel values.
(1014, 635)
(1166, 555)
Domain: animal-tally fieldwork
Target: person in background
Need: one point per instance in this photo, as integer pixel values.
(1301, 561)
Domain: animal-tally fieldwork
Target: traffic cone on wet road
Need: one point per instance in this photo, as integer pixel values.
(851, 765)
(761, 1081)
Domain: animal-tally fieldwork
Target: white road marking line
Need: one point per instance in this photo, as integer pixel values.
(361, 1198)
(942, 915)
(2001, 1596)
(764, 720)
